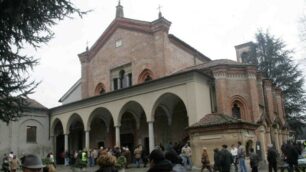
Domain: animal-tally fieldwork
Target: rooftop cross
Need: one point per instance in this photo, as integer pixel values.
(159, 11)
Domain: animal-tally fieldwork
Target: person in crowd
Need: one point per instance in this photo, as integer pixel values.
(91, 158)
(226, 159)
(158, 163)
(144, 157)
(32, 164)
(67, 157)
(292, 154)
(106, 163)
(14, 164)
(205, 160)
(137, 154)
(241, 157)
(217, 160)
(5, 163)
(11, 156)
(51, 159)
(254, 160)
(175, 160)
(234, 152)
(186, 153)
(271, 157)
(127, 154)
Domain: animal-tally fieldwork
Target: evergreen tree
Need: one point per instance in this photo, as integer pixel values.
(24, 23)
(275, 62)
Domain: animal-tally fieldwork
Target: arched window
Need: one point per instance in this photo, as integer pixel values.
(121, 78)
(148, 78)
(240, 109)
(236, 111)
(99, 89)
(145, 75)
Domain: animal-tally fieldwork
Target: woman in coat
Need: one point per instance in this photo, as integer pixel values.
(205, 160)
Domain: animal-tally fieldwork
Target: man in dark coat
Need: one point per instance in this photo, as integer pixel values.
(272, 155)
(158, 163)
(226, 159)
(292, 157)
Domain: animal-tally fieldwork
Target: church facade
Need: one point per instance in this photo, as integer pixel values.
(141, 85)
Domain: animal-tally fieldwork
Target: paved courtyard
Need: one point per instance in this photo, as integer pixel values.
(62, 168)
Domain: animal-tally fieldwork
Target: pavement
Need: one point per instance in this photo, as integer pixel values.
(62, 168)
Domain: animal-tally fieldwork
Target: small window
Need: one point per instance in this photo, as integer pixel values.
(236, 111)
(115, 83)
(130, 79)
(31, 134)
(118, 43)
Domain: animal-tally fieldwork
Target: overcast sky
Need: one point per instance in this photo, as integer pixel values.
(213, 27)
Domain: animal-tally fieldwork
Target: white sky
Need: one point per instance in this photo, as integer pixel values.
(213, 27)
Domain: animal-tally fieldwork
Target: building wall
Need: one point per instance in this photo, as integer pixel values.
(13, 136)
(140, 50)
(233, 83)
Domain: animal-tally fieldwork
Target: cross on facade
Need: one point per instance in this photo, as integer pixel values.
(159, 8)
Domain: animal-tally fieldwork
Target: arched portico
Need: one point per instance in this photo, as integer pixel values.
(100, 126)
(59, 140)
(76, 134)
(132, 125)
(170, 119)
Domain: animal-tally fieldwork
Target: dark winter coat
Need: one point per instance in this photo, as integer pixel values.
(254, 160)
(272, 155)
(162, 166)
(107, 169)
(292, 155)
(226, 160)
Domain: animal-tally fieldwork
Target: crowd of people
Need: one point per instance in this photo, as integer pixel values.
(28, 163)
(171, 158)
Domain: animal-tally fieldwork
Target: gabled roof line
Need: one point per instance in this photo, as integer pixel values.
(71, 89)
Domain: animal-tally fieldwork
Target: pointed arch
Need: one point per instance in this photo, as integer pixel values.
(239, 102)
(100, 89)
(145, 75)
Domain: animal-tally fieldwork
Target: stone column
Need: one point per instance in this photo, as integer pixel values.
(117, 135)
(268, 136)
(151, 136)
(280, 138)
(87, 140)
(275, 132)
(263, 143)
(66, 142)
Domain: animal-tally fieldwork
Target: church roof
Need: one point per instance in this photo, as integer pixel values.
(187, 47)
(70, 91)
(218, 119)
(34, 104)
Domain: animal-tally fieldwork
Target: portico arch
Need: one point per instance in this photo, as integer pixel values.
(59, 139)
(133, 126)
(101, 129)
(76, 137)
(170, 116)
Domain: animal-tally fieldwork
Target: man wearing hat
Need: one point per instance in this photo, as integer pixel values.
(32, 164)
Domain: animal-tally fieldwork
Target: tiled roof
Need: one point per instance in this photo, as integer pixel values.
(34, 104)
(218, 119)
